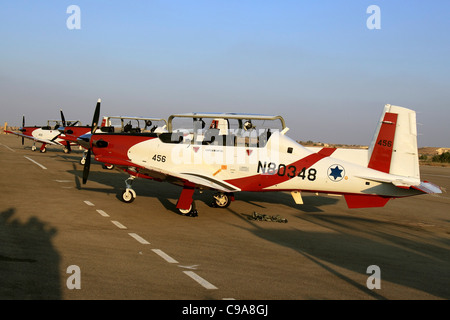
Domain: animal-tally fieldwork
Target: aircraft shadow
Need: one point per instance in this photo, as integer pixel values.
(356, 243)
(311, 203)
(29, 263)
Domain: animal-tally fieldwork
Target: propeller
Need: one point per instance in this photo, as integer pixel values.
(87, 163)
(22, 129)
(63, 129)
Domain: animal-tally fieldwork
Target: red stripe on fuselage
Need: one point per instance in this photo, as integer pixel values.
(118, 144)
(262, 181)
(28, 131)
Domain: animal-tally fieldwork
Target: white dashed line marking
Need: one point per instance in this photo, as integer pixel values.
(139, 238)
(200, 280)
(40, 165)
(118, 224)
(89, 203)
(103, 213)
(165, 256)
(193, 267)
(8, 148)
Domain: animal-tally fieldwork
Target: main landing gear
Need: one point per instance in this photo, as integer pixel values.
(191, 212)
(43, 149)
(222, 200)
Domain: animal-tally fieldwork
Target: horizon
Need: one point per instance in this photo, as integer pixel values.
(327, 68)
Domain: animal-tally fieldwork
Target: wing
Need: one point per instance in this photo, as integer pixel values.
(196, 178)
(46, 141)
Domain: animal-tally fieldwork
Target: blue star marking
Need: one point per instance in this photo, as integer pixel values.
(336, 173)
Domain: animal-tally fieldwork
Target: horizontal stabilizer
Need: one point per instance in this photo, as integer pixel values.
(355, 201)
(428, 187)
(398, 181)
(406, 183)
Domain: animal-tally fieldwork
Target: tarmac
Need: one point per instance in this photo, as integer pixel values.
(62, 239)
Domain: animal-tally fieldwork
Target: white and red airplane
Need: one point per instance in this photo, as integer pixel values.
(115, 124)
(50, 134)
(233, 154)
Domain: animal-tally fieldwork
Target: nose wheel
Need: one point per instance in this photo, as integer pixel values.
(83, 159)
(128, 195)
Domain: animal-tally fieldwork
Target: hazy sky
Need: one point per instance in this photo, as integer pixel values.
(316, 63)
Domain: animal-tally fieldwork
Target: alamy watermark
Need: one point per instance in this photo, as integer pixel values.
(73, 22)
(74, 280)
(374, 20)
(374, 281)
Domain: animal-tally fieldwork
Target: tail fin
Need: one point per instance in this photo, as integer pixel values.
(394, 146)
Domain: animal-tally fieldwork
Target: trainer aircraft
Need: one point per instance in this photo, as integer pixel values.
(234, 152)
(49, 134)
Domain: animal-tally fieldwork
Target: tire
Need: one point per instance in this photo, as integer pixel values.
(185, 211)
(128, 195)
(222, 200)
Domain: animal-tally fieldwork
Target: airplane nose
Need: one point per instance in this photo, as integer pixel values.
(85, 140)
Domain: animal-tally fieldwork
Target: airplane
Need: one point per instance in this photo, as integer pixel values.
(47, 135)
(233, 155)
(114, 124)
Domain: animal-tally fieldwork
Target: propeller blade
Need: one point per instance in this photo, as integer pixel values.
(87, 165)
(69, 148)
(63, 120)
(23, 125)
(96, 116)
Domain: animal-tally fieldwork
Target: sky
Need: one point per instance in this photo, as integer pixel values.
(321, 65)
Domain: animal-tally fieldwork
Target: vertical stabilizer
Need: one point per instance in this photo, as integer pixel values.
(394, 146)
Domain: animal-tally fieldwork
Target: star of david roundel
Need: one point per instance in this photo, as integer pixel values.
(336, 172)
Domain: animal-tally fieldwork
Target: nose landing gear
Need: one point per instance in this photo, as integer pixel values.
(128, 195)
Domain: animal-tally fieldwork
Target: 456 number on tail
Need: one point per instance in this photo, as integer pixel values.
(290, 171)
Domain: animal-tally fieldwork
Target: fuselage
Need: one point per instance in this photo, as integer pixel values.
(278, 164)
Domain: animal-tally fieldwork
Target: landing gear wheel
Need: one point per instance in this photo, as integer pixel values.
(33, 148)
(185, 211)
(128, 195)
(221, 200)
(83, 161)
(43, 150)
(191, 212)
(66, 150)
(108, 166)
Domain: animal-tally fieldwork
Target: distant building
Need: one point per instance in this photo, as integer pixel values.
(440, 151)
